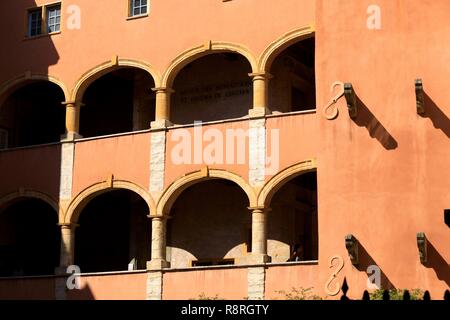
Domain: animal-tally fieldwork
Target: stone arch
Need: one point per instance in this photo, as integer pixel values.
(277, 46)
(8, 87)
(82, 199)
(195, 53)
(27, 193)
(276, 182)
(178, 186)
(95, 73)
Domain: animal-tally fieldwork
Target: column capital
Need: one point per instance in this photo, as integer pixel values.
(163, 90)
(161, 218)
(68, 225)
(72, 104)
(260, 209)
(260, 76)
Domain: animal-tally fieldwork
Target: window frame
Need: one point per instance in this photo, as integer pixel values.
(47, 17)
(44, 26)
(39, 22)
(132, 7)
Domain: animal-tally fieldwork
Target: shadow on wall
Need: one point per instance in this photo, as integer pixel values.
(366, 260)
(438, 263)
(35, 54)
(85, 293)
(367, 119)
(30, 110)
(29, 169)
(437, 117)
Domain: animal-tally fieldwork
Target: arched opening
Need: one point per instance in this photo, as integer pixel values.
(30, 238)
(293, 220)
(213, 87)
(114, 233)
(209, 225)
(32, 114)
(119, 101)
(293, 86)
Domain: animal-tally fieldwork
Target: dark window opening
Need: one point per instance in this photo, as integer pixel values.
(208, 232)
(114, 231)
(32, 115)
(214, 87)
(29, 239)
(120, 101)
(293, 220)
(293, 86)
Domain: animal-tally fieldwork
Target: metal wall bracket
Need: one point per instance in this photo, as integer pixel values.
(351, 243)
(420, 104)
(422, 244)
(350, 96)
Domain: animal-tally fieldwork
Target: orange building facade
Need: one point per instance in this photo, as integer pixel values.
(176, 150)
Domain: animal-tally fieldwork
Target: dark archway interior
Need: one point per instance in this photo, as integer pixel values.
(33, 114)
(120, 101)
(293, 86)
(214, 87)
(209, 225)
(29, 239)
(114, 229)
(293, 219)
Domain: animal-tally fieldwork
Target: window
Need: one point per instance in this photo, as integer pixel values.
(35, 22)
(138, 7)
(54, 18)
(44, 20)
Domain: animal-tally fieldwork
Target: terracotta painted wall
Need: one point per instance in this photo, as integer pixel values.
(156, 39)
(289, 277)
(111, 287)
(298, 136)
(127, 157)
(224, 283)
(27, 289)
(174, 170)
(35, 168)
(384, 176)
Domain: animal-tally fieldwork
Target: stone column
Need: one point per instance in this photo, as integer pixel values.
(155, 274)
(158, 257)
(66, 260)
(72, 119)
(260, 94)
(67, 245)
(259, 235)
(162, 112)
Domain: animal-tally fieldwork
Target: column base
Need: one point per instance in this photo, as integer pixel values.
(160, 124)
(70, 136)
(258, 112)
(61, 271)
(157, 264)
(254, 259)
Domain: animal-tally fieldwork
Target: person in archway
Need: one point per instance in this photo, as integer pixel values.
(298, 253)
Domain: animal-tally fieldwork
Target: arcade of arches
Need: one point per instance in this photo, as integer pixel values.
(217, 86)
(114, 232)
